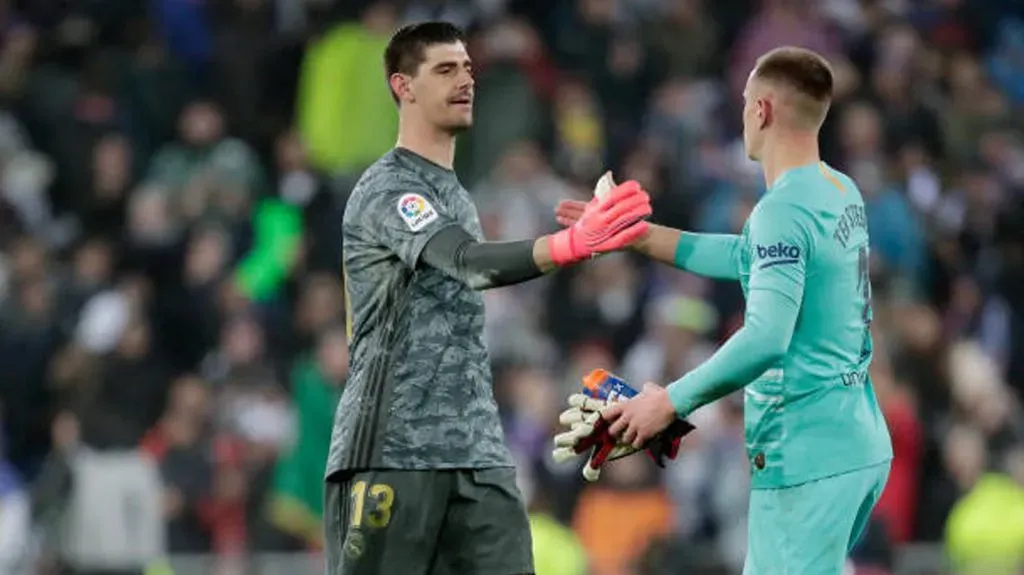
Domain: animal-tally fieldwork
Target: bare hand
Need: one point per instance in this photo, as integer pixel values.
(638, 420)
(569, 211)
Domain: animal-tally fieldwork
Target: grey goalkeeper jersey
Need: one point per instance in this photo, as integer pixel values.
(419, 395)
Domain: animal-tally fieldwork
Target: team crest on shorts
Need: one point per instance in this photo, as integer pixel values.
(416, 211)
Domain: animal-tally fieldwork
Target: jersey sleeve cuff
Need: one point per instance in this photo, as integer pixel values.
(681, 400)
(420, 241)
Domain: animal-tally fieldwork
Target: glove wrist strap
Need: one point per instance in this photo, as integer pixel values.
(561, 247)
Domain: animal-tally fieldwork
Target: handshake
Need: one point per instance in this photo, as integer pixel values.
(613, 220)
(588, 430)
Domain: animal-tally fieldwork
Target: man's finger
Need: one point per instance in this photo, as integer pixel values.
(618, 426)
(629, 435)
(635, 206)
(630, 235)
(625, 189)
(570, 209)
(613, 411)
(639, 440)
(627, 210)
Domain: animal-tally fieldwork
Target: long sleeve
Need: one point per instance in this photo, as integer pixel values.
(409, 222)
(780, 243)
(709, 255)
(481, 265)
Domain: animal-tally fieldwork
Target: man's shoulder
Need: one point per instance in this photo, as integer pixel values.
(387, 173)
(825, 186)
(781, 201)
(384, 178)
(813, 197)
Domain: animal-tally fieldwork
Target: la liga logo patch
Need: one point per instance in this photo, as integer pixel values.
(416, 211)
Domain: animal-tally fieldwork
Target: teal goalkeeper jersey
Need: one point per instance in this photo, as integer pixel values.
(803, 353)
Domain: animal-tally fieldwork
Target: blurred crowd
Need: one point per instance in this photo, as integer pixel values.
(172, 179)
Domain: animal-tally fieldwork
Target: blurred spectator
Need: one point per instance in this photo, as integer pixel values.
(556, 549)
(709, 483)
(514, 82)
(521, 194)
(579, 131)
(674, 344)
(297, 496)
(224, 169)
(179, 442)
(112, 177)
(779, 23)
(984, 532)
(15, 517)
(1005, 63)
(618, 519)
(685, 37)
(346, 115)
(898, 505)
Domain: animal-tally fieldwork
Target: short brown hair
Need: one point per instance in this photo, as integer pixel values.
(803, 70)
(407, 48)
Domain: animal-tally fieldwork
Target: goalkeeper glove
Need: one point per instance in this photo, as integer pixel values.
(588, 431)
(609, 222)
(569, 212)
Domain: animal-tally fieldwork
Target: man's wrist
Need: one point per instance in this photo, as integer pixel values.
(542, 254)
(643, 244)
(563, 248)
(681, 401)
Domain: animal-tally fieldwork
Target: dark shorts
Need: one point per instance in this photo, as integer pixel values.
(439, 522)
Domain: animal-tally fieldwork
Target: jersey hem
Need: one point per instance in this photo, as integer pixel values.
(769, 485)
(333, 473)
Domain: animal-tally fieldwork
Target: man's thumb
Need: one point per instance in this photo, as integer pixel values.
(604, 185)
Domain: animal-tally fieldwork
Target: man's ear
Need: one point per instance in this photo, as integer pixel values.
(765, 113)
(401, 86)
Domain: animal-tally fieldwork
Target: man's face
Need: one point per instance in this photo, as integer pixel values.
(755, 109)
(442, 88)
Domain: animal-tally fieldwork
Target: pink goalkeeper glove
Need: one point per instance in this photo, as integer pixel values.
(606, 224)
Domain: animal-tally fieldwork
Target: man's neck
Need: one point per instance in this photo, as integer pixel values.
(788, 151)
(433, 144)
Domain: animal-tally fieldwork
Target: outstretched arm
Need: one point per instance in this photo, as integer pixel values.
(710, 255)
(773, 304)
(486, 265)
(608, 224)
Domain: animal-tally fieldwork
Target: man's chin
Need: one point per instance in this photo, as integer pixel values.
(456, 128)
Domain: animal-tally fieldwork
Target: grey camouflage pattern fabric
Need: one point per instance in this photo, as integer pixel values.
(420, 394)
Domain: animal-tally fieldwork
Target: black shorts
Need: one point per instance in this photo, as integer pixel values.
(439, 522)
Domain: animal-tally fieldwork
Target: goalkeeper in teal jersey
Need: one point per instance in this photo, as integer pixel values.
(818, 446)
